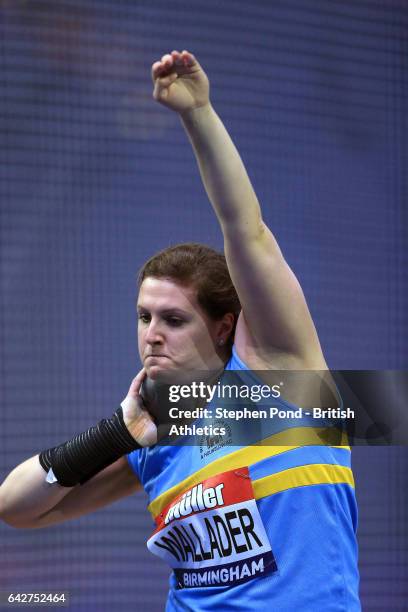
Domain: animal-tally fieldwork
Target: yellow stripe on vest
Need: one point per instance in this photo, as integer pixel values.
(302, 476)
(274, 445)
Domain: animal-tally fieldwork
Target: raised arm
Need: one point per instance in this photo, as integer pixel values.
(275, 322)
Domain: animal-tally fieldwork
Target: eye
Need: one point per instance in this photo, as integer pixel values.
(174, 321)
(144, 317)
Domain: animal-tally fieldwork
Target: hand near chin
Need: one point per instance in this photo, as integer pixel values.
(137, 419)
(179, 82)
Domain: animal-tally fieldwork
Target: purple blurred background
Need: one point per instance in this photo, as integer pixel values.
(95, 177)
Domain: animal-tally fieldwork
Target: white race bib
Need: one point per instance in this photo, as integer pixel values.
(213, 535)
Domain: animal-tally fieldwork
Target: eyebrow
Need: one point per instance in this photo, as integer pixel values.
(165, 311)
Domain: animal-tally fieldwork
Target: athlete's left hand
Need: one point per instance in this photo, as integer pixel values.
(179, 82)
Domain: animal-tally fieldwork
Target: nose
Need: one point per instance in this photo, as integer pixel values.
(153, 334)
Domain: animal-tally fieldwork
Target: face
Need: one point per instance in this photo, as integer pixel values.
(175, 335)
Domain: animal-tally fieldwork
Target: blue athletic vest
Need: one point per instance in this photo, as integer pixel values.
(253, 527)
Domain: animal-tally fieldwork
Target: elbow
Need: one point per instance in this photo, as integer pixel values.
(245, 228)
(3, 514)
(11, 521)
(8, 519)
(9, 516)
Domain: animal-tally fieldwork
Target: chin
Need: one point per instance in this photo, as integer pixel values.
(173, 375)
(160, 374)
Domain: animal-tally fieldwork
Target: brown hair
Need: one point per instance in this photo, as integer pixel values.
(195, 264)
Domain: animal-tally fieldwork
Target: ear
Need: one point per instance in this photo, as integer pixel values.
(225, 328)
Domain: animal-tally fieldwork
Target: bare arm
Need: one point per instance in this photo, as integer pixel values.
(274, 311)
(27, 501)
(273, 303)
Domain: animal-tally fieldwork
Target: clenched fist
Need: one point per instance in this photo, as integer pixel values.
(179, 82)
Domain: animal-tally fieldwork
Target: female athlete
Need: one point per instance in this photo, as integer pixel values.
(243, 528)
